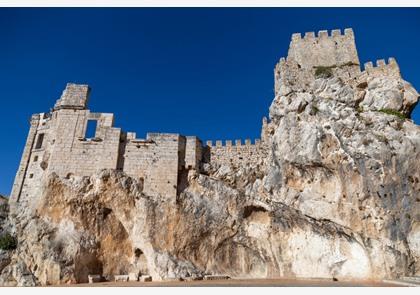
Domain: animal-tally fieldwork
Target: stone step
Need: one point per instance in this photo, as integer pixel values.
(411, 279)
(402, 283)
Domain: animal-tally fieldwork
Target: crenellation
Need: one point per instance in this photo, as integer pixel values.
(368, 65)
(392, 61)
(296, 36)
(381, 68)
(237, 154)
(336, 33)
(309, 35)
(323, 34)
(380, 63)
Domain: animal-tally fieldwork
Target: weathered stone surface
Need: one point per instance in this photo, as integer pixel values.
(132, 276)
(331, 191)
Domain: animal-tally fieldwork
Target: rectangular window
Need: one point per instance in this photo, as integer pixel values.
(91, 128)
(39, 141)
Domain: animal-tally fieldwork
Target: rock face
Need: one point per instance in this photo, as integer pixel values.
(337, 196)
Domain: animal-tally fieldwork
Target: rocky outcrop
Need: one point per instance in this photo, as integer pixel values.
(4, 211)
(338, 196)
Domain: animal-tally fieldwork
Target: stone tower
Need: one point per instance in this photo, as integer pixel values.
(307, 55)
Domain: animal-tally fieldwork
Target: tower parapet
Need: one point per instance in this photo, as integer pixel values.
(333, 53)
(323, 49)
(382, 68)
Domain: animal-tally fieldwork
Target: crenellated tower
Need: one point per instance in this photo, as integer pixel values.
(312, 55)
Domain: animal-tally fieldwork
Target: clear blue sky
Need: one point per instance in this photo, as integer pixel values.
(205, 72)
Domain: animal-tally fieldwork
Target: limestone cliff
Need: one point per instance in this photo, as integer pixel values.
(337, 196)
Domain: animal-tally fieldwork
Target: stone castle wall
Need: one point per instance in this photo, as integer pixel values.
(161, 160)
(334, 51)
(381, 68)
(58, 143)
(323, 49)
(236, 153)
(155, 161)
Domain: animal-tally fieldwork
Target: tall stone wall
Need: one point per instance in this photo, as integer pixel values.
(155, 161)
(22, 172)
(193, 152)
(73, 153)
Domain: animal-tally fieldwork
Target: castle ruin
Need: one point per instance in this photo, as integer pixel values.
(58, 142)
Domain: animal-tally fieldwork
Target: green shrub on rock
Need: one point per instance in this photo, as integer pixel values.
(323, 72)
(7, 242)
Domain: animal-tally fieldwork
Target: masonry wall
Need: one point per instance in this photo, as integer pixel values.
(333, 52)
(193, 153)
(237, 153)
(324, 49)
(73, 153)
(19, 182)
(155, 161)
(381, 68)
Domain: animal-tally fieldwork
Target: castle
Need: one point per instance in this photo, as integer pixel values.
(58, 141)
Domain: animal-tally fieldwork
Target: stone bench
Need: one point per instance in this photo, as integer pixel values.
(121, 278)
(216, 277)
(145, 278)
(133, 277)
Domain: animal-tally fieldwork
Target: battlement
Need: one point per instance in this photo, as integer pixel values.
(230, 143)
(323, 49)
(381, 67)
(236, 152)
(334, 34)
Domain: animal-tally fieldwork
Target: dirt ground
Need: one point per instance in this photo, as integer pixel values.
(245, 283)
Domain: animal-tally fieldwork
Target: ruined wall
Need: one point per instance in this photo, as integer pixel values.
(19, 182)
(73, 153)
(236, 154)
(57, 143)
(155, 161)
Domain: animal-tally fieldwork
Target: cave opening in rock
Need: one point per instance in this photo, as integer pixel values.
(138, 252)
(248, 210)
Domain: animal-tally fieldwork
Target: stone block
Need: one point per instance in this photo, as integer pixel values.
(145, 278)
(121, 278)
(94, 278)
(132, 276)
